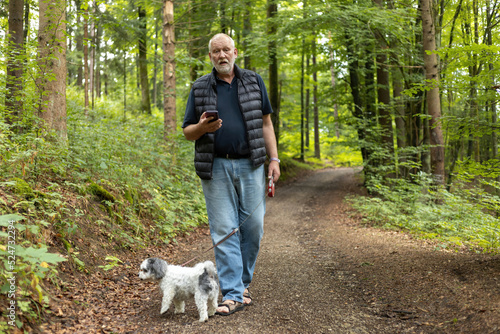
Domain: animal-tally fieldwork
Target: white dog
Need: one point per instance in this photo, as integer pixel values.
(181, 283)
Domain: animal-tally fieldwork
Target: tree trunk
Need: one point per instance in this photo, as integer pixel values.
(86, 59)
(223, 20)
(432, 96)
(302, 75)
(400, 117)
(334, 89)
(124, 84)
(372, 138)
(15, 62)
(155, 62)
(272, 29)
(169, 96)
(357, 112)
(307, 106)
(384, 98)
(92, 56)
(490, 15)
(79, 45)
(26, 21)
(247, 29)
(143, 64)
(97, 56)
(52, 62)
(317, 153)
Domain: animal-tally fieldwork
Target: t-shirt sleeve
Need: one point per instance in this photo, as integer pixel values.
(266, 104)
(190, 114)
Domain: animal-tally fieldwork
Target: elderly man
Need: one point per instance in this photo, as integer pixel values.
(230, 151)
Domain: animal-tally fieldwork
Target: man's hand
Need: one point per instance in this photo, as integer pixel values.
(195, 131)
(271, 147)
(274, 170)
(208, 125)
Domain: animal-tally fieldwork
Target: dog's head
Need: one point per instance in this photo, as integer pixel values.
(153, 269)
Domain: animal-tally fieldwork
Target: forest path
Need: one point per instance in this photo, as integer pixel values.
(319, 271)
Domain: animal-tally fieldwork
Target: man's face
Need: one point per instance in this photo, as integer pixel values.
(223, 54)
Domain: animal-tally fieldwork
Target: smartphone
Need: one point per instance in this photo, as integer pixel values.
(212, 113)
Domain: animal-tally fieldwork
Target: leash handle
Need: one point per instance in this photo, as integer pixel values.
(270, 187)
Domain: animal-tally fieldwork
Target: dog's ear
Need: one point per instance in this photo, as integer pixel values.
(158, 267)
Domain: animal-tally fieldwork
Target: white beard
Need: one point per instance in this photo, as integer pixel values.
(224, 68)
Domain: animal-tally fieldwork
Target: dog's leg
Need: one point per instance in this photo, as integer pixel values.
(168, 295)
(201, 300)
(212, 304)
(180, 305)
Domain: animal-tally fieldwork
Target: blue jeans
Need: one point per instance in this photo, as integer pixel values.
(235, 193)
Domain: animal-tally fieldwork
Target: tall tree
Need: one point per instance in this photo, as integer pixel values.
(143, 62)
(92, 56)
(15, 63)
(169, 96)
(432, 96)
(86, 58)
(272, 29)
(317, 153)
(52, 62)
(491, 20)
(302, 116)
(79, 45)
(384, 95)
(155, 62)
(247, 28)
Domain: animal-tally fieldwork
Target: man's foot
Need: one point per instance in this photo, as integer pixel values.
(229, 307)
(247, 298)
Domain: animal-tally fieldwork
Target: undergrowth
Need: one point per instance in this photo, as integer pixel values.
(466, 216)
(119, 175)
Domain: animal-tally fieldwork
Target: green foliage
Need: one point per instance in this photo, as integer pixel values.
(132, 157)
(146, 187)
(21, 187)
(113, 262)
(454, 218)
(28, 263)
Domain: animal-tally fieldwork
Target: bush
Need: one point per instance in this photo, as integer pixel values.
(456, 219)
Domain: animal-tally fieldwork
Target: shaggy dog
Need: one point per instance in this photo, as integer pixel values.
(181, 283)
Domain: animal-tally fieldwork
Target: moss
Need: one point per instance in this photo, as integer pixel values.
(23, 188)
(131, 195)
(100, 192)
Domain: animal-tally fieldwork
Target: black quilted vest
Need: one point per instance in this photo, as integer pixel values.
(250, 101)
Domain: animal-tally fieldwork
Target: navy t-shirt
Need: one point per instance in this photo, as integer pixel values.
(231, 137)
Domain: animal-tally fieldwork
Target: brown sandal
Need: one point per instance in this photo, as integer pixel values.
(231, 308)
(247, 295)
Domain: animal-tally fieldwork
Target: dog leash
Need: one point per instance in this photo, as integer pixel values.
(269, 192)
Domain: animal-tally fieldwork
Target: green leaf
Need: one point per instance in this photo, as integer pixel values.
(6, 220)
(38, 255)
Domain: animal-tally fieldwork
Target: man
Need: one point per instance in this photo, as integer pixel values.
(229, 158)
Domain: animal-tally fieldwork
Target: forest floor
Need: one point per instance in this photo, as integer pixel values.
(320, 270)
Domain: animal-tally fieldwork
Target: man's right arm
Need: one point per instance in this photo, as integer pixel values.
(195, 131)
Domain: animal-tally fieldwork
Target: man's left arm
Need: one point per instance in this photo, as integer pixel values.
(271, 147)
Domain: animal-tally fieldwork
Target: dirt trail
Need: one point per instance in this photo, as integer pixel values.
(319, 271)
